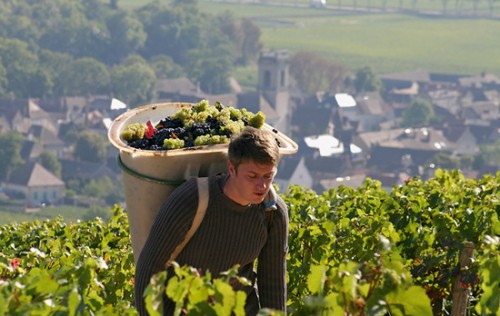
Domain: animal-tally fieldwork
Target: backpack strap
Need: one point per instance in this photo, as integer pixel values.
(198, 218)
(270, 206)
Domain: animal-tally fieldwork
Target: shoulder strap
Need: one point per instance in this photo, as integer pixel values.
(198, 218)
(270, 206)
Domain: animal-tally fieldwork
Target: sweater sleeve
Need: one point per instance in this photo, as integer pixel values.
(271, 268)
(168, 230)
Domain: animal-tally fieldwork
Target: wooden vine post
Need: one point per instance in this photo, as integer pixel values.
(461, 294)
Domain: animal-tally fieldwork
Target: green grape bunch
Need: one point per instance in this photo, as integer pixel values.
(199, 125)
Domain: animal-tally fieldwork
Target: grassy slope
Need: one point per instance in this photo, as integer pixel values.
(387, 42)
(69, 213)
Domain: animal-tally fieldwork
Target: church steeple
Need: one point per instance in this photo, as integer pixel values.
(273, 84)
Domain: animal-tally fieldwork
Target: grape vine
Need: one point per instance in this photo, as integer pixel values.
(361, 251)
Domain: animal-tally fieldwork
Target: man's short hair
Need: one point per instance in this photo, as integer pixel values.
(256, 145)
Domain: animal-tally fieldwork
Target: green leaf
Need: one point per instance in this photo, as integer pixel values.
(413, 301)
(74, 300)
(316, 279)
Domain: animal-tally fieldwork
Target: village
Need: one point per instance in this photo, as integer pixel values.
(343, 137)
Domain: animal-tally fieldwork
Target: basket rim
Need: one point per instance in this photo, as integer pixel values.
(126, 118)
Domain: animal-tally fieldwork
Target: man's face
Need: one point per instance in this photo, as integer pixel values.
(251, 182)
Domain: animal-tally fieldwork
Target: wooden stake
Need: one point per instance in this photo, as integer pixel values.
(460, 294)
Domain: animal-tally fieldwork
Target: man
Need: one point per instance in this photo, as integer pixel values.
(234, 230)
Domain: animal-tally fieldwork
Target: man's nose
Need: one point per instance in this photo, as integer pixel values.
(262, 182)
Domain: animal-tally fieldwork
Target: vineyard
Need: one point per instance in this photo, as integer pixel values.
(363, 251)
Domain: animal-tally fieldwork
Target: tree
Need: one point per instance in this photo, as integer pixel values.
(86, 76)
(90, 146)
(165, 67)
(489, 155)
(57, 66)
(252, 45)
(366, 80)
(314, 73)
(418, 114)
(211, 67)
(173, 31)
(10, 152)
(133, 82)
(3, 80)
(50, 162)
(19, 27)
(72, 36)
(230, 28)
(127, 36)
(103, 188)
(24, 76)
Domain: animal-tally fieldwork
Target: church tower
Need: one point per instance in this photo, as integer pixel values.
(273, 87)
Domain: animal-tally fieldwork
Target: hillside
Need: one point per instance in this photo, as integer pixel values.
(351, 252)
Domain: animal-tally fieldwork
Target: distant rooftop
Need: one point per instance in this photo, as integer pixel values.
(328, 145)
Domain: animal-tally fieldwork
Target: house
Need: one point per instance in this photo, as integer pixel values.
(328, 146)
(371, 111)
(4, 124)
(183, 90)
(16, 121)
(352, 181)
(403, 148)
(292, 170)
(85, 171)
(48, 139)
(35, 184)
(312, 117)
(31, 150)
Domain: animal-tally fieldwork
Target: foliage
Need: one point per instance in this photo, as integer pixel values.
(72, 48)
(211, 68)
(10, 152)
(314, 72)
(165, 67)
(51, 267)
(127, 36)
(366, 80)
(418, 228)
(90, 146)
(198, 294)
(23, 75)
(81, 74)
(244, 34)
(352, 251)
(490, 153)
(103, 188)
(133, 81)
(418, 114)
(50, 162)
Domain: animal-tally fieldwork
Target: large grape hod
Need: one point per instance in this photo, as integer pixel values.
(150, 176)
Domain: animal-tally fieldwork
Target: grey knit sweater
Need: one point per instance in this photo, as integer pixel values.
(229, 234)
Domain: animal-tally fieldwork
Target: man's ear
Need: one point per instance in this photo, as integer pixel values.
(231, 169)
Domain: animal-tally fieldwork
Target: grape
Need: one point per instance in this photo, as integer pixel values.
(257, 120)
(133, 132)
(199, 125)
(173, 143)
(201, 107)
(169, 122)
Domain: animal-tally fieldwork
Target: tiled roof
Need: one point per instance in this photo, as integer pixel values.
(416, 75)
(32, 174)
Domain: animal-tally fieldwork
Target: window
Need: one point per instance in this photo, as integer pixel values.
(267, 79)
(282, 78)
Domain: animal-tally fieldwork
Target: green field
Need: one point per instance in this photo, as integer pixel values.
(391, 43)
(70, 214)
(388, 42)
